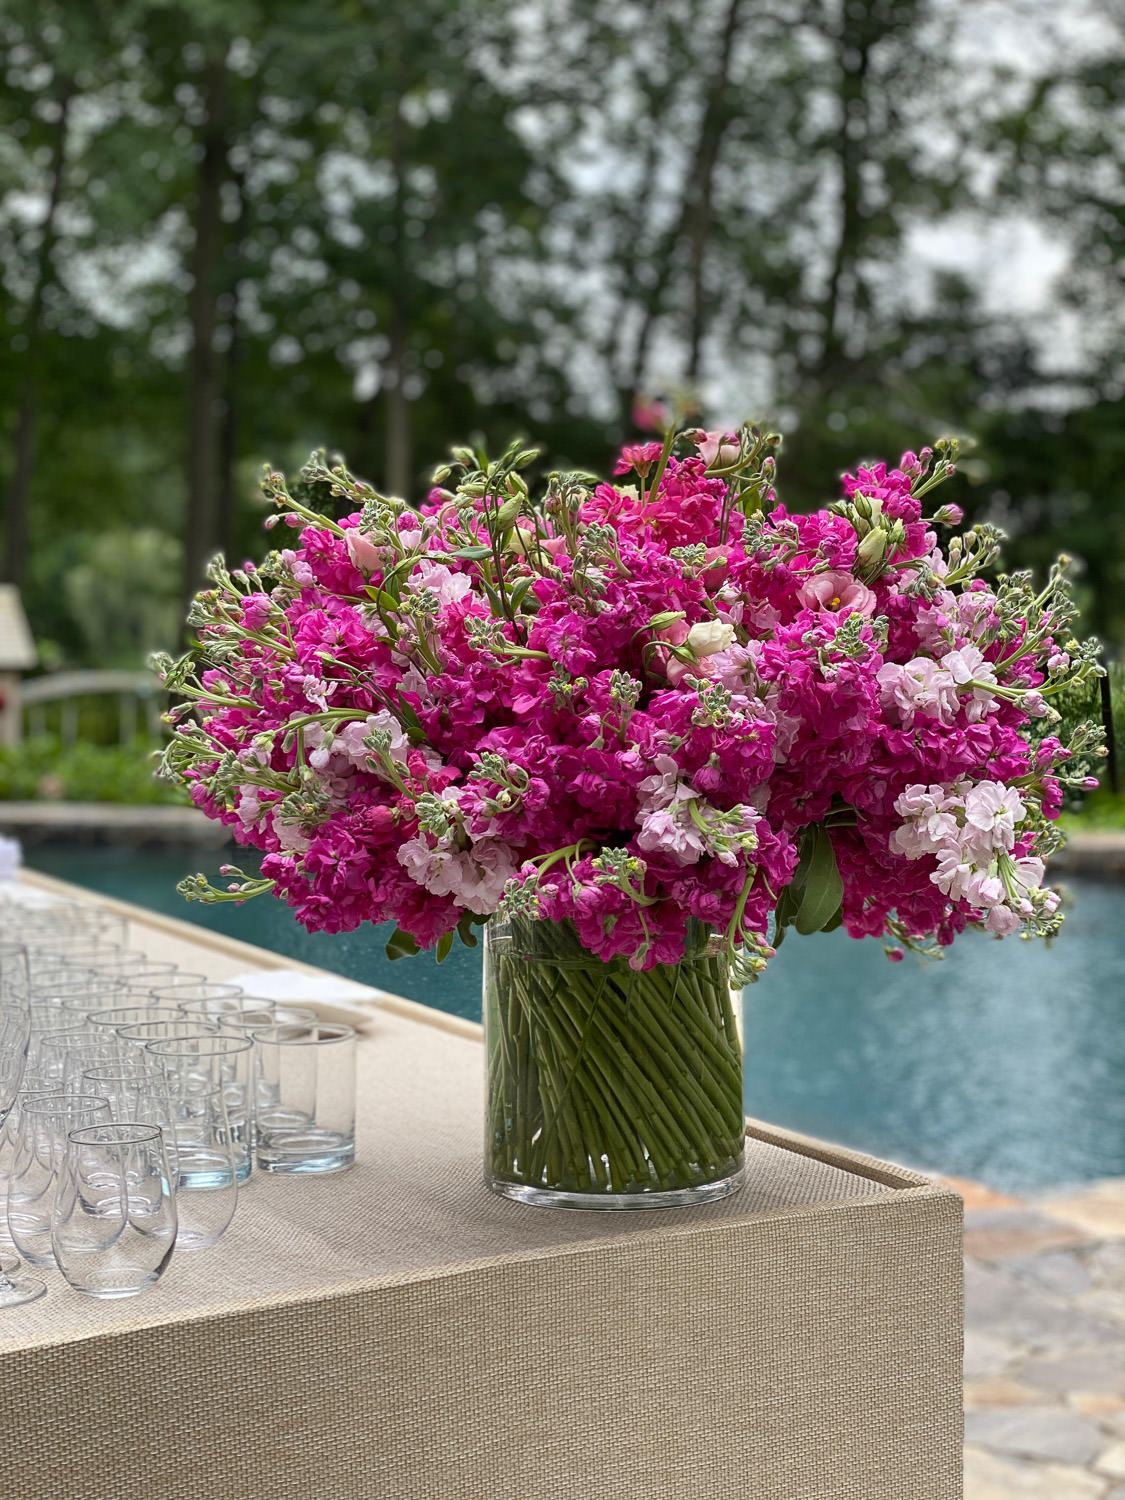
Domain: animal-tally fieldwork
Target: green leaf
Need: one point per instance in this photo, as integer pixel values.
(834, 922)
(382, 598)
(392, 578)
(473, 552)
(400, 945)
(444, 944)
(823, 886)
(520, 591)
(465, 930)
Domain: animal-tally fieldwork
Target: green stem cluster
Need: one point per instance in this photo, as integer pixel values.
(602, 1079)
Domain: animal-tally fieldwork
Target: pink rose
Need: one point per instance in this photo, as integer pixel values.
(718, 449)
(839, 593)
(362, 551)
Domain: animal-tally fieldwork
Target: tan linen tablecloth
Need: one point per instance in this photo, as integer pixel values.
(397, 1331)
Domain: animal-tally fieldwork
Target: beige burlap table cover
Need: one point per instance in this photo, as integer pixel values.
(398, 1332)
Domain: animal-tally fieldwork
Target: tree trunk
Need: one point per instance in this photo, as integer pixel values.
(228, 432)
(854, 48)
(23, 473)
(694, 221)
(699, 193)
(201, 532)
(399, 437)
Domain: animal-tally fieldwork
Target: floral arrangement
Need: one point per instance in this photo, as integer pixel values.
(632, 704)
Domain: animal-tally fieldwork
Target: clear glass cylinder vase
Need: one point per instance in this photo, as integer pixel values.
(609, 1087)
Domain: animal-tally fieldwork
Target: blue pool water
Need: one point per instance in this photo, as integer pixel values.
(1004, 1062)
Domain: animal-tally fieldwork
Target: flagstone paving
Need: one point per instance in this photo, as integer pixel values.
(1045, 1344)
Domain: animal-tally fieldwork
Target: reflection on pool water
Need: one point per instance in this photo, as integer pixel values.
(1005, 1062)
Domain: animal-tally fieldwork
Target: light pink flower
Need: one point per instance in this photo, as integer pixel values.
(993, 810)
(918, 687)
(839, 593)
(673, 834)
(718, 449)
(474, 877)
(362, 551)
(440, 580)
(1002, 921)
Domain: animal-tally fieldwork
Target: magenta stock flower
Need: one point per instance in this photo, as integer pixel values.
(631, 705)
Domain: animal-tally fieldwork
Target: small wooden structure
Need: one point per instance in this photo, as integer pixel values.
(17, 654)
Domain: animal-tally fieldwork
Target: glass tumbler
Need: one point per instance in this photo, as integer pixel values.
(196, 995)
(194, 1065)
(199, 1134)
(113, 1225)
(44, 1121)
(305, 1105)
(137, 1037)
(15, 1029)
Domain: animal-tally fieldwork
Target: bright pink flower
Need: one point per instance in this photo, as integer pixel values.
(638, 456)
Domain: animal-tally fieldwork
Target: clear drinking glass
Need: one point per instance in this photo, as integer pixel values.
(64, 1055)
(137, 1091)
(196, 1065)
(223, 1002)
(77, 959)
(305, 1105)
(197, 990)
(44, 1121)
(113, 1017)
(15, 1030)
(206, 1174)
(113, 1225)
(126, 962)
(184, 986)
(78, 991)
(141, 1033)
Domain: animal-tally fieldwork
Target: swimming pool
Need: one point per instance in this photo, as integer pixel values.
(1005, 1062)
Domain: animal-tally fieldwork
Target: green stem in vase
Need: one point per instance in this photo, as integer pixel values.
(608, 1080)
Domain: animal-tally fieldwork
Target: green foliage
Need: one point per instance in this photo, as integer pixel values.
(120, 623)
(1100, 812)
(382, 223)
(42, 769)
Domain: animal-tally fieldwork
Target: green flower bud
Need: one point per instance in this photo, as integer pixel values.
(872, 549)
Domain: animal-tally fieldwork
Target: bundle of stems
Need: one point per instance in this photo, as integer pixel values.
(604, 1079)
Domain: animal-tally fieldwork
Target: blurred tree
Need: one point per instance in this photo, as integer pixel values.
(121, 623)
(233, 230)
(49, 104)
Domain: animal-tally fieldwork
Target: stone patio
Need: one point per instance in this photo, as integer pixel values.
(1045, 1344)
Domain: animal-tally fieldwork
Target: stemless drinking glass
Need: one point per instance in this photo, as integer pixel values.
(264, 1015)
(205, 1172)
(93, 927)
(198, 1064)
(220, 1001)
(139, 1035)
(184, 986)
(78, 990)
(15, 1030)
(44, 1120)
(75, 960)
(305, 1109)
(114, 1017)
(113, 1225)
(65, 1055)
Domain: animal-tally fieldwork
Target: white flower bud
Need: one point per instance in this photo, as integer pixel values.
(708, 637)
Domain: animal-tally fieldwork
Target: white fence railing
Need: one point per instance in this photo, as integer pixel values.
(139, 701)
